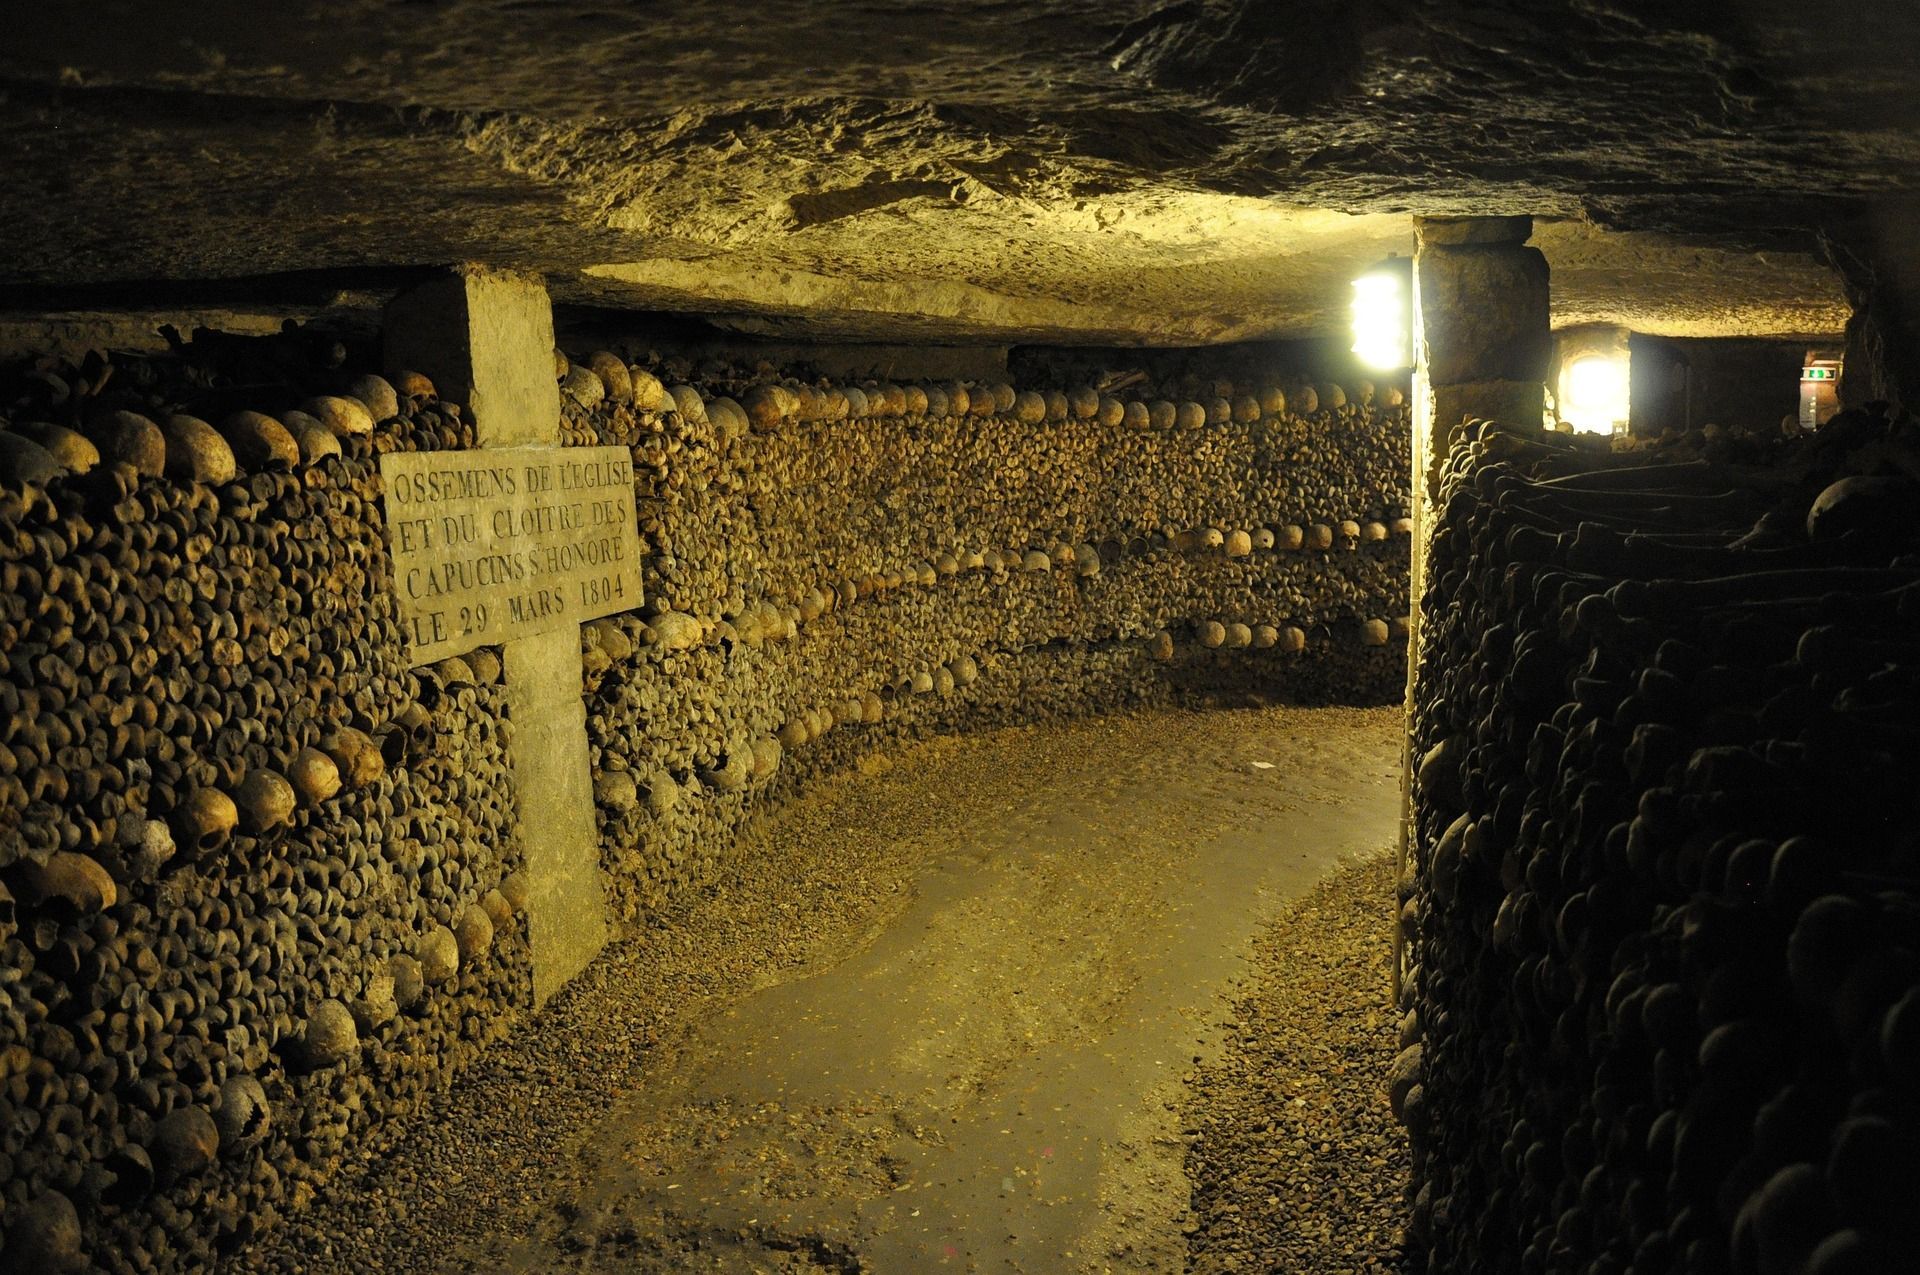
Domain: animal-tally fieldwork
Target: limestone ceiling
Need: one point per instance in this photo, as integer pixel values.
(1100, 170)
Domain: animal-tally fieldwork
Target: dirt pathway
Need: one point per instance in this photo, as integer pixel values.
(989, 1082)
(942, 1016)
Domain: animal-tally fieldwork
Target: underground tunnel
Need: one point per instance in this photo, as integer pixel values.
(1024, 637)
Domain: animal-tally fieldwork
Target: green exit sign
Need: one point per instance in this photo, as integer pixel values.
(1818, 374)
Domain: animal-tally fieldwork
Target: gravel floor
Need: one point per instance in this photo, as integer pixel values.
(515, 1152)
(1297, 1165)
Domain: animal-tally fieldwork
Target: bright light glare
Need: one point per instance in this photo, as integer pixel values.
(1380, 321)
(1595, 396)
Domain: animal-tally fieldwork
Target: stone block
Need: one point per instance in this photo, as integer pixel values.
(485, 339)
(1439, 412)
(1456, 232)
(553, 786)
(1483, 314)
(1515, 403)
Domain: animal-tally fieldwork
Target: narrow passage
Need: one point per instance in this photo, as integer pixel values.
(944, 1014)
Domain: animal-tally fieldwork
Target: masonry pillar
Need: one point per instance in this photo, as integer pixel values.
(485, 338)
(1482, 340)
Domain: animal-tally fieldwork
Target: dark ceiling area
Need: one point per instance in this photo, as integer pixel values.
(1190, 171)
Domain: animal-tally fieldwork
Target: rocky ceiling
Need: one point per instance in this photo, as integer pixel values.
(1081, 170)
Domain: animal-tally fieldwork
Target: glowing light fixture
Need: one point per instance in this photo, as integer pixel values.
(1383, 315)
(1594, 391)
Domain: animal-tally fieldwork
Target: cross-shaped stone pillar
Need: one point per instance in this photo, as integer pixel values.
(485, 339)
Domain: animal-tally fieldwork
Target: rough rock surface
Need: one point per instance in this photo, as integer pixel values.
(1164, 174)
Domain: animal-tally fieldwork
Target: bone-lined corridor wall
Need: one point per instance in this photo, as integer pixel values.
(258, 879)
(1663, 908)
(261, 890)
(835, 568)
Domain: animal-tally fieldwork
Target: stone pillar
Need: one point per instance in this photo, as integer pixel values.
(1483, 338)
(485, 338)
(1877, 256)
(1482, 332)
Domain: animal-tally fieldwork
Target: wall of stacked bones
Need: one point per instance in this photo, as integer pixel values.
(1664, 901)
(831, 569)
(258, 880)
(260, 888)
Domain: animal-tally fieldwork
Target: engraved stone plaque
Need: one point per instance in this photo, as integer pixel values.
(503, 543)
